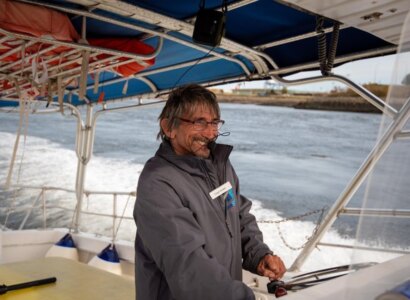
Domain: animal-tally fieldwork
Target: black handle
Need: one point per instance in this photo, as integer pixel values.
(277, 287)
(4, 288)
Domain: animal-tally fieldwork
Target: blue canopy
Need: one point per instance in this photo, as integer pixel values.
(257, 44)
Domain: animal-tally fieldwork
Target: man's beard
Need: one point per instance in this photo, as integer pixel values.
(203, 143)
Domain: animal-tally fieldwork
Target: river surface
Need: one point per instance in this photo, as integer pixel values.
(289, 161)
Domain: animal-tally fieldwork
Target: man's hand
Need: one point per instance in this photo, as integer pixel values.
(271, 266)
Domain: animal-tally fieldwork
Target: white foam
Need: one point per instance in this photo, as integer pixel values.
(112, 174)
(296, 233)
(46, 163)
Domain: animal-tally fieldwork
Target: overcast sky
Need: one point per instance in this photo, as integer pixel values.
(373, 70)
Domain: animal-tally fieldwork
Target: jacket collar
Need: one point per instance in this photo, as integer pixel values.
(192, 164)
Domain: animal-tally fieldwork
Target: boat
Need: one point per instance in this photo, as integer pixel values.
(109, 52)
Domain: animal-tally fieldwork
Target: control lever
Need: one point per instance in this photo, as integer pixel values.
(277, 287)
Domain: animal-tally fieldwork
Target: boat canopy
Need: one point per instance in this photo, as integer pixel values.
(263, 39)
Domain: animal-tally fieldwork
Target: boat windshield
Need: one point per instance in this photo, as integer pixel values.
(386, 204)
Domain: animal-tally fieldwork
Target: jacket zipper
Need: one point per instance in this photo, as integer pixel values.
(223, 175)
(224, 200)
(209, 182)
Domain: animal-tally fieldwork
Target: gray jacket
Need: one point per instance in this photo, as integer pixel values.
(188, 245)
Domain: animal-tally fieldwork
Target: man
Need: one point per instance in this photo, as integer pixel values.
(194, 229)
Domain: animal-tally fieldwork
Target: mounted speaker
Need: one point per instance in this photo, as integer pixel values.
(209, 27)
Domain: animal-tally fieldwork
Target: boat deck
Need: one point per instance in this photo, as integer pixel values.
(75, 280)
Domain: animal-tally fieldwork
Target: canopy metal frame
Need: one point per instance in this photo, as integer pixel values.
(18, 72)
(163, 27)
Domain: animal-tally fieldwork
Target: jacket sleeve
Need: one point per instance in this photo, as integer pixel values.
(253, 247)
(176, 242)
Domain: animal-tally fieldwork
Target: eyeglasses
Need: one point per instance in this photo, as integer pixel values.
(202, 124)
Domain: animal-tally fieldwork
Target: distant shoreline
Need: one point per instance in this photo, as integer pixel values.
(319, 102)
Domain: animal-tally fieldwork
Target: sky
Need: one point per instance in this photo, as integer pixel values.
(373, 70)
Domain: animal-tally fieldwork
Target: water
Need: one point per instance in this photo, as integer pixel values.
(288, 161)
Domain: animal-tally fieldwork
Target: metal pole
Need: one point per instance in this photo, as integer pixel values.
(85, 141)
(370, 162)
(30, 211)
(361, 91)
(43, 200)
(114, 217)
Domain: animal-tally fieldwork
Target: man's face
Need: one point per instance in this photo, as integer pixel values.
(187, 139)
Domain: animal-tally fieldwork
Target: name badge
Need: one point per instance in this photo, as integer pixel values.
(220, 190)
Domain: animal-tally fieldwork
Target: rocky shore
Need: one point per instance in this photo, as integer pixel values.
(320, 102)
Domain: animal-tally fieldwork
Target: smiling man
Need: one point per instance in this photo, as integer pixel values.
(194, 229)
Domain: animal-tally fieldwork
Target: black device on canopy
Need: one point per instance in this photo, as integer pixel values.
(209, 25)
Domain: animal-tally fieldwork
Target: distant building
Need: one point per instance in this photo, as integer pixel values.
(255, 92)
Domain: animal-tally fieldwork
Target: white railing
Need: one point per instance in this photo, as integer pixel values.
(104, 212)
(20, 207)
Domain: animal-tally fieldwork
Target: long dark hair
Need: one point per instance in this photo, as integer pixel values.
(183, 101)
